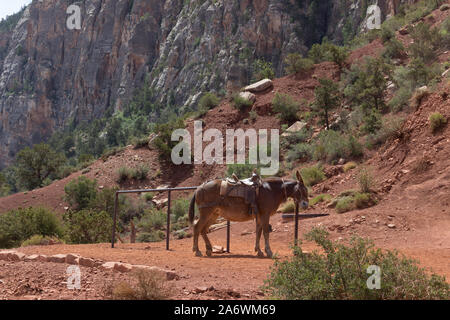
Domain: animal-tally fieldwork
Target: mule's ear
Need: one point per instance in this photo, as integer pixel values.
(299, 177)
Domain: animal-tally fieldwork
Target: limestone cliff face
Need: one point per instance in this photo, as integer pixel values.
(50, 75)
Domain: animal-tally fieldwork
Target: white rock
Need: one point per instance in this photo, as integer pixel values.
(296, 127)
(248, 96)
(259, 86)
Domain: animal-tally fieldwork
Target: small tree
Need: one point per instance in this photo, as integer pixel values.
(36, 164)
(88, 226)
(262, 70)
(295, 63)
(327, 98)
(81, 192)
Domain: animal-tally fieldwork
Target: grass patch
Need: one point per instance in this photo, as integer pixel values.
(147, 285)
(349, 166)
(312, 175)
(437, 121)
(320, 198)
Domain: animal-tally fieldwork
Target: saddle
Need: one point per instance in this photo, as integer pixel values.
(247, 189)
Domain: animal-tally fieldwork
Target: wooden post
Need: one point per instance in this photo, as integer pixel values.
(115, 220)
(168, 223)
(296, 225)
(228, 236)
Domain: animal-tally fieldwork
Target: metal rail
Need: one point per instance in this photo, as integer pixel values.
(169, 190)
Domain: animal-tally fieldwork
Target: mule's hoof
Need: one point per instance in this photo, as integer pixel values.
(269, 254)
(198, 254)
(260, 254)
(209, 253)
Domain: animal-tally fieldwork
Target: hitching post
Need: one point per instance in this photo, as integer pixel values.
(115, 219)
(168, 222)
(296, 225)
(228, 236)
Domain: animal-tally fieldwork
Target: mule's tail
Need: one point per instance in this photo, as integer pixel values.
(192, 209)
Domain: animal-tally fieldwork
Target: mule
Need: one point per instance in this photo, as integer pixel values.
(272, 192)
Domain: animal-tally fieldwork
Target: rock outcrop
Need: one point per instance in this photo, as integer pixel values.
(51, 76)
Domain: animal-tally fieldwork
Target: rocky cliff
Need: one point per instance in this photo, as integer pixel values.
(50, 75)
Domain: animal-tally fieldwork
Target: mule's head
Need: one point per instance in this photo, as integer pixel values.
(300, 194)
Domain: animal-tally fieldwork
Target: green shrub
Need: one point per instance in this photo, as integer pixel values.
(340, 273)
(139, 142)
(80, 192)
(349, 166)
(39, 240)
(19, 225)
(147, 196)
(142, 172)
(426, 42)
(152, 236)
(320, 198)
(163, 142)
(88, 226)
(394, 49)
(208, 101)
(286, 107)
(365, 180)
(345, 204)
(400, 99)
(288, 207)
(262, 70)
(295, 63)
(332, 146)
(300, 151)
(153, 220)
(123, 174)
(363, 200)
(180, 208)
(241, 103)
(240, 170)
(312, 175)
(437, 121)
(391, 128)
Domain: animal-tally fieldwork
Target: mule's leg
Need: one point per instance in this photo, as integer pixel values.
(258, 237)
(266, 231)
(198, 227)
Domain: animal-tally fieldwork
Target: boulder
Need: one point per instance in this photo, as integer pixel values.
(108, 266)
(218, 249)
(72, 258)
(296, 127)
(32, 258)
(57, 258)
(170, 275)
(42, 258)
(445, 7)
(259, 86)
(15, 256)
(86, 262)
(122, 267)
(4, 255)
(248, 96)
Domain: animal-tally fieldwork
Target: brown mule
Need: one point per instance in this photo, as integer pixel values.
(272, 192)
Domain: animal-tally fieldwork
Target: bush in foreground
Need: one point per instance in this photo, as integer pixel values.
(88, 226)
(147, 285)
(18, 225)
(340, 273)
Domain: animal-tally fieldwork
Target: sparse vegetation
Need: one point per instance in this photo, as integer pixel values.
(340, 273)
(295, 63)
(285, 107)
(241, 103)
(312, 175)
(147, 285)
(437, 121)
